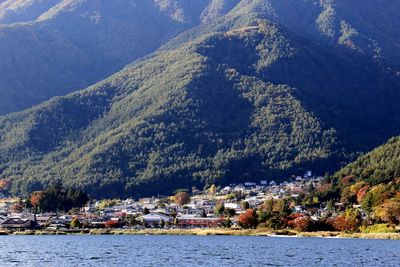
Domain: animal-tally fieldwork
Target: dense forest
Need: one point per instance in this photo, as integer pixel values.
(52, 47)
(372, 182)
(247, 94)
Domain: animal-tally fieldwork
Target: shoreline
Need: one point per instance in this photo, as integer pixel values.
(210, 232)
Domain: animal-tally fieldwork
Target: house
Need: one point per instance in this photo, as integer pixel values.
(156, 218)
(250, 184)
(191, 221)
(226, 190)
(18, 224)
(235, 206)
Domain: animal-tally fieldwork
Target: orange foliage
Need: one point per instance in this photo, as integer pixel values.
(362, 193)
(36, 197)
(248, 219)
(5, 184)
(300, 223)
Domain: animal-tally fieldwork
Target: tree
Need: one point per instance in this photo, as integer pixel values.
(146, 211)
(389, 211)
(230, 212)
(301, 223)
(227, 223)
(35, 200)
(203, 214)
(348, 221)
(162, 223)
(248, 219)
(182, 198)
(5, 185)
(75, 223)
(17, 207)
(245, 205)
(219, 209)
(213, 189)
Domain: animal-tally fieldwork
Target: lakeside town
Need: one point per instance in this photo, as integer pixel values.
(246, 206)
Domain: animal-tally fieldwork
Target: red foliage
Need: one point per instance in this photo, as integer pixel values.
(341, 223)
(362, 193)
(300, 223)
(112, 224)
(248, 219)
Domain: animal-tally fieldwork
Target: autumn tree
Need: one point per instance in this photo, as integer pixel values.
(348, 221)
(36, 199)
(248, 219)
(182, 198)
(213, 189)
(5, 185)
(389, 211)
(17, 207)
(301, 223)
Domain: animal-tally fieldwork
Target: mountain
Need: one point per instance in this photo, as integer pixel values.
(251, 100)
(368, 27)
(13, 11)
(373, 181)
(75, 43)
(61, 46)
(381, 165)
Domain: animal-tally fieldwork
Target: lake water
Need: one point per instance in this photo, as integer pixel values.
(207, 251)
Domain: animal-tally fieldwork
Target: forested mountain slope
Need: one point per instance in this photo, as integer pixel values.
(76, 43)
(255, 101)
(382, 165)
(366, 27)
(13, 11)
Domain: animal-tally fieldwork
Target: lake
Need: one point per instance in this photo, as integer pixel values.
(127, 250)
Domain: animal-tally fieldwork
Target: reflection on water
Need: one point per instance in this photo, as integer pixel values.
(195, 251)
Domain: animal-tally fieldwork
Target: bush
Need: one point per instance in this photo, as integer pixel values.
(378, 229)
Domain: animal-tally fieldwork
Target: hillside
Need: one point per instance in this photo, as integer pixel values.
(365, 27)
(256, 101)
(13, 11)
(373, 182)
(75, 43)
(63, 46)
(382, 165)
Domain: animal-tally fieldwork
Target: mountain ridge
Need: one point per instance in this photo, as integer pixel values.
(214, 110)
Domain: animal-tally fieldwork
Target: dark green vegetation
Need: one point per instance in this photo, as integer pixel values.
(65, 47)
(13, 11)
(239, 98)
(55, 198)
(382, 165)
(60, 46)
(372, 181)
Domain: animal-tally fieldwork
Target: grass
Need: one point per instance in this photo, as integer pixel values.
(368, 234)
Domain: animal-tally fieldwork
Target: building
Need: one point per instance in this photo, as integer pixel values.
(156, 218)
(199, 222)
(18, 224)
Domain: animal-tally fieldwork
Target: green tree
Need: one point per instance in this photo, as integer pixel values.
(75, 223)
(219, 209)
